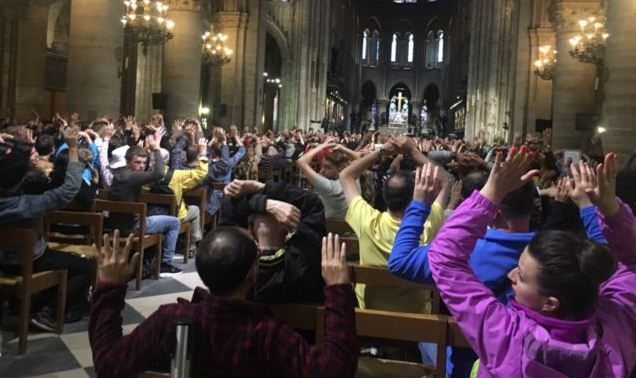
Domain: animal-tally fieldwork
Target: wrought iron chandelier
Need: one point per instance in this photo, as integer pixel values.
(215, 50)
(544, 66)
(589, 45)
(147, 20)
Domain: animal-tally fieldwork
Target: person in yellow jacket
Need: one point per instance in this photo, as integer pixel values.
(183, 180)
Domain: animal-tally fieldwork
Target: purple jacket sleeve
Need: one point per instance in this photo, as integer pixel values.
(617, 300)
(484, 321)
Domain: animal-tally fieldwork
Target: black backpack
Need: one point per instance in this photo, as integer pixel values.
(161, 187)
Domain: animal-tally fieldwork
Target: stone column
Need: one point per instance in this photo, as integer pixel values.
(619, 109)
(574, 82)
(182, 59)
(94, 63)
(31, 61)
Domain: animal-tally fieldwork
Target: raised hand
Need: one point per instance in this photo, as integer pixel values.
(508, 176)
(71, 136)
(203, 145)
(113, 263)
(603, 195)
(563, 189)
(583, 180)
(427, 184)
(285, 213)
(335, 270)
(455, 195)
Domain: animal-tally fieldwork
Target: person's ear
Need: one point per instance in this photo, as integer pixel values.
(551, 305)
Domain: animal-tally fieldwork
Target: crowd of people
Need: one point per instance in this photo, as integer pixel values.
(532, 253)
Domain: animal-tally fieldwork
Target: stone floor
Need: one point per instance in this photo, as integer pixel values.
(69, 355)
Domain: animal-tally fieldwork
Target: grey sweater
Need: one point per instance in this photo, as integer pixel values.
(26, 211)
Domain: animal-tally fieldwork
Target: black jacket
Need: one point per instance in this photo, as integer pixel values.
(296, 275)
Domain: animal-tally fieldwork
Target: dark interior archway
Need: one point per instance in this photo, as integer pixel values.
(271, 84)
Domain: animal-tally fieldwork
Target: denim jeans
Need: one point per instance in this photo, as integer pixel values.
(169, 227)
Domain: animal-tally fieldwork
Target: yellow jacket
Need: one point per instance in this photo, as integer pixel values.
(186, 179)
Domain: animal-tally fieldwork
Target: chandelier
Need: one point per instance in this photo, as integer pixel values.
(589, 45)
(544, 66)
(215, 49)
(147, 20)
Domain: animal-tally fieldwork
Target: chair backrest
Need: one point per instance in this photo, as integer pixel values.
(201, 195)
(455, 335)
(168, 200)
(133, 208)
(338, 226)
(95, 221)
(21, 240)
(380, 276)
(218, 186)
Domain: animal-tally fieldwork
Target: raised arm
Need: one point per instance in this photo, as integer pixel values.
(304, 162)
(407, 259)
(349, 175)
(478, 312)
(337, 356)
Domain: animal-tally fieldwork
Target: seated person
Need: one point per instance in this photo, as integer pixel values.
(233, 337)
(126, 187)
(19, 210)
(326, 182)
(376, 230)
(572, 313)
(289, 269)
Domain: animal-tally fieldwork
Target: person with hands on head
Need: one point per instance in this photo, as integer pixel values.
(287, 223)
(326, 182)
(259, 345)
(570, 315)
(376, 230)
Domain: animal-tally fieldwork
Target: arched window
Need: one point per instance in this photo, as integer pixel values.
(430, 50)
(376, 38)
(365, 41)
(411, 49)
(394, 43)
(440, 48)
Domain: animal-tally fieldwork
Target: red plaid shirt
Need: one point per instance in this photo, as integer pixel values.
(232, 338)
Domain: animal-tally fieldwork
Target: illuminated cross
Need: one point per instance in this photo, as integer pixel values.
(399, 99)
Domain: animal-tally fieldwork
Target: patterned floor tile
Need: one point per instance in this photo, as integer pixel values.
(44, 356)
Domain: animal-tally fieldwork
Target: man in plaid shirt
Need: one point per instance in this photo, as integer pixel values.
(232, 337)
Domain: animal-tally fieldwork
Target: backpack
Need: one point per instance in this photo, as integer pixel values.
(161, 187)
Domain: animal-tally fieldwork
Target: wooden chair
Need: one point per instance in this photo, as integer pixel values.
(199, 197)
(29, 283)
(455, 335)
(170, 201)
(380, 276)
(400, 327)
(141, 240)
(80, 244)
(339, 226)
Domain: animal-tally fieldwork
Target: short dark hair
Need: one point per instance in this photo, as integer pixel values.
(473, 181)
(571, 269)
(398, 190)
(224, 258)
(35, 182)
(44, 144)
(136, 151)
(192, 153)
(519, 203)
(15, 164)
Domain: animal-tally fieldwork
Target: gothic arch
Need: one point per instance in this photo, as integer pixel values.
(280, 37)
(373, 23)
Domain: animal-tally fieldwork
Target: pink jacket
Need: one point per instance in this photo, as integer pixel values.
(519, 342)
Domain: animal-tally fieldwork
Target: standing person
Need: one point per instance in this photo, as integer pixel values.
(572, 313)
(126, 187)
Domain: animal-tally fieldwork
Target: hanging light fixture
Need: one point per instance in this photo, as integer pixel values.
(544, 66)
(147, 20)
(589, 45)
(215, 50)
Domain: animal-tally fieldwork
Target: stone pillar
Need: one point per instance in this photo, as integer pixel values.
(574, 82)
(619, 109)
(31, 61)
(94, 64)
(539, 100)
(149, 65)
(182, 59)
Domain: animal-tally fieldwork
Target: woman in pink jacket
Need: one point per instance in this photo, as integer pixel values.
(574, 311)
